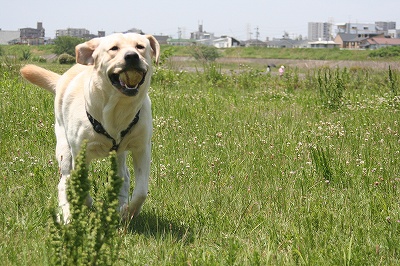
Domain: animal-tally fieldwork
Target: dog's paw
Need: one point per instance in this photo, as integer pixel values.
(89, 201)
(128, 212)
(63, 215)
(125, 214)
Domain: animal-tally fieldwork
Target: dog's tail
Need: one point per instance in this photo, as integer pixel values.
(41, 77)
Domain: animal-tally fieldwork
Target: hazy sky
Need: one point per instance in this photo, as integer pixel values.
(224, 17)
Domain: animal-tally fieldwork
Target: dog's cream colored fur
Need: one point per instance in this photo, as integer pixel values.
(87, 87)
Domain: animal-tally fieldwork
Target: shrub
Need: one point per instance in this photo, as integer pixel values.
(66, 59)
(205, 53)
(387, 52)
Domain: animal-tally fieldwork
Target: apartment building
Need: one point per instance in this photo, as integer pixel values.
(385, 26)
(319, 31)
(73, 32)
(357, 28)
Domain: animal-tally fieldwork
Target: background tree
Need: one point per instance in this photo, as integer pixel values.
(66, 45)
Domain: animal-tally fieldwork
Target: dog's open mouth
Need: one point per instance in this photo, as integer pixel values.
(128, 82)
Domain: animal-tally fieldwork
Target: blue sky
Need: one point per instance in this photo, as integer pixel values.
(225, 17)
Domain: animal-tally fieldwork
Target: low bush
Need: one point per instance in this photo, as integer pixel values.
(205, 53)
(66, 59)
(386, 52)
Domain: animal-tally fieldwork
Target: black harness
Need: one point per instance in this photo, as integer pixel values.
(98, 127)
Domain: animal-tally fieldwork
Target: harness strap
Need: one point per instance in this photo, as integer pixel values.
(98, 127)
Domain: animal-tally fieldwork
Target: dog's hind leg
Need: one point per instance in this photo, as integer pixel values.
(123, 172)
(64, 158)
(66, 164)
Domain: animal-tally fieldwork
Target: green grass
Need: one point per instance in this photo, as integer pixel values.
(247, 169)
(281, 53)
(297, 53)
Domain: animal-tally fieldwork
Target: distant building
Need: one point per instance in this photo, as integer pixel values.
(379, 42)
(323, 44)
(9, 36)
(353, 41)
(73, 32)
(226, 42)
(254, 42)
(161, 39)
(378, 27)
(135, 30)
(347, 40)
(319, 31)
(205, 38)
(181, 42)
(385, 26)
(33, 36)
(393, 33)
(287, 43)
(202, 36)
(356, 28)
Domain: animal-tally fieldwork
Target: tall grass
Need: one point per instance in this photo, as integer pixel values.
(247, 169)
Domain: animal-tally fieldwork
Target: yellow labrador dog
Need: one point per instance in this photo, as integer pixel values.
(104, 99)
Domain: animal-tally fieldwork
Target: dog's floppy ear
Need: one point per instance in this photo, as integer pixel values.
(84, 51)
(154, 46)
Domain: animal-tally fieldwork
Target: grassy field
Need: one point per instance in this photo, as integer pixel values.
(386, 54)
(247, 169)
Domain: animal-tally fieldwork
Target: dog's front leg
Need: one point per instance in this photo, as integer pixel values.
(141, 164)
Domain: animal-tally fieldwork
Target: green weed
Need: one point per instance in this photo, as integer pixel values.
(393, 85)
(331, 84)
(91, 236)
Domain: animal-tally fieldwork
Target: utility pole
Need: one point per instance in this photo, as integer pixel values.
(257, 33)
(179, 33)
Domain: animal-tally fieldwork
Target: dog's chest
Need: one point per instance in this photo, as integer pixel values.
(101, 149)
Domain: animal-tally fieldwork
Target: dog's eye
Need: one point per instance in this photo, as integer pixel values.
(114, 48)
(140, 47)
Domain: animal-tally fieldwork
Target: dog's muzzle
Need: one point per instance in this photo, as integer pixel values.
(128, 81)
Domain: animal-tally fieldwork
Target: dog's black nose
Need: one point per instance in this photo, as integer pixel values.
(131, 57)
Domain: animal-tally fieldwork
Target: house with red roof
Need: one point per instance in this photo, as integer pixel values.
(379, 42)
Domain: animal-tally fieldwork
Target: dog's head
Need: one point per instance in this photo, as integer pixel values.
(123, 59)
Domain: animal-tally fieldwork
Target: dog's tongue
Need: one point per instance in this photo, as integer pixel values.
(130, 79)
